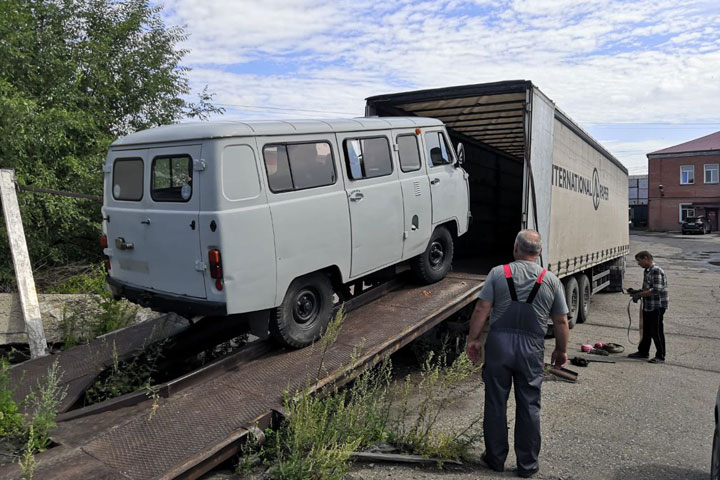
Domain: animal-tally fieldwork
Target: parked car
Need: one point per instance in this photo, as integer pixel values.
(696, 225)
(715, 463)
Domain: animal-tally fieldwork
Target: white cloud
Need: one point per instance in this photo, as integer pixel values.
(602, 61)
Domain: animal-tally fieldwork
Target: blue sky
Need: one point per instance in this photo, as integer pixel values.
(638, 75)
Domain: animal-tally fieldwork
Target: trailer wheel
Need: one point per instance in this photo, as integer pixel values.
(572, 297)
(584, 301)
(305, 311)
(434, 263)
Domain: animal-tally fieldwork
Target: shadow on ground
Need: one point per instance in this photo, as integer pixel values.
(664, 472)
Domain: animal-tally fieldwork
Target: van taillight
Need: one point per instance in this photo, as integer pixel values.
(104, 245)
(216, 267)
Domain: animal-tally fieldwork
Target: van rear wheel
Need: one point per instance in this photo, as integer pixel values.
(434, 263)
(305, 311)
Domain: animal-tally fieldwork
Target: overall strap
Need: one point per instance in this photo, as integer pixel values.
(511, 284)
(536, 287)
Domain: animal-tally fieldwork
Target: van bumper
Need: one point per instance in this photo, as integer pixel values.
(164, 302)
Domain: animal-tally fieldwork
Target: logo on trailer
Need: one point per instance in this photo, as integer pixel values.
(564, 178)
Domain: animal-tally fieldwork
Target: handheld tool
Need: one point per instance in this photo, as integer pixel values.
(583, 362)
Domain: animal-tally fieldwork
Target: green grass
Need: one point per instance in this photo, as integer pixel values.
(322, 429)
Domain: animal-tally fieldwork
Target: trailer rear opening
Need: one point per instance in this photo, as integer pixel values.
(530, 166)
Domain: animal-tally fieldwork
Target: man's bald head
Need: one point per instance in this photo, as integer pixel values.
(528, 243)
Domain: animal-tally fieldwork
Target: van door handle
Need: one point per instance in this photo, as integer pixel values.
(356, 196)
(121, 244)
(146, 221)
(434, 181)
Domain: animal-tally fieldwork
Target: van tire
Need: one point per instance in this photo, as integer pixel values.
(584, 299)
(572, 297)
(434, 263)
(305, 311)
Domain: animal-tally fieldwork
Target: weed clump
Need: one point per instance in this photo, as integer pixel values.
(127, 376)
(100, 314)
(25, 435)
(322, 429)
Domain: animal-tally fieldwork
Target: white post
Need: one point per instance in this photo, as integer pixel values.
(23, 270)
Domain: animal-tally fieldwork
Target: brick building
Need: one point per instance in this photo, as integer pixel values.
(684, 182)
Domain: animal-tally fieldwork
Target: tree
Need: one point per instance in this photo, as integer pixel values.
(74, 75)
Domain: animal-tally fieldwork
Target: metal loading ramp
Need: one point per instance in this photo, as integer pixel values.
(188, 434)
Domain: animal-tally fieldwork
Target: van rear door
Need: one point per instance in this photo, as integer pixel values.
(155, 240)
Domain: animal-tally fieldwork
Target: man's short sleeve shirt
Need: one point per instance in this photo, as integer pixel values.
(550, 299)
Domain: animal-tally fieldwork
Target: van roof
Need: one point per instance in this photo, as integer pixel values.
(221, 129)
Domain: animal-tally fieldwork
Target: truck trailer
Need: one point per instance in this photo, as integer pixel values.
(530, 166)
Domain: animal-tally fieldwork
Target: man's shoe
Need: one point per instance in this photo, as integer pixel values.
(656, 360)
(639, 355)
(526, 473)
(482, 461)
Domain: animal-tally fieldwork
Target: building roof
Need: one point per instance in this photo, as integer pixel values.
(204, 130)
(702, 144)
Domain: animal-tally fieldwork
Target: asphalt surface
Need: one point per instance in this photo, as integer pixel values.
(629, 420)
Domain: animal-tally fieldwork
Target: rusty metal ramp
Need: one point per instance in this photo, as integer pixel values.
(187, 434)
(82, 364)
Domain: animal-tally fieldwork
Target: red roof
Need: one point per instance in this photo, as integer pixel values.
(702, 144)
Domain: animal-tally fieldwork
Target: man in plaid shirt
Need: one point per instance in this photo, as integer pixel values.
(655, 301)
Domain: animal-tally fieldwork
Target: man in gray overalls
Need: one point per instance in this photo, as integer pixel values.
(523, 297)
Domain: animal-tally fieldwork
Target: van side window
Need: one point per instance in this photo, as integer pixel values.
(368, 157)
(409, 153)
(128, 175)
(297, 166)
(438, 151)
(171, 178)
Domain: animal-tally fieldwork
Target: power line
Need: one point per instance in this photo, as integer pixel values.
(284, 109)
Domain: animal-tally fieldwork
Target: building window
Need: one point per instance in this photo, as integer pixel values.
(687, 175)
(711, 173)
(686, 210)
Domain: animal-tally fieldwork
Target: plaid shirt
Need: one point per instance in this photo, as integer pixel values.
(655, 281)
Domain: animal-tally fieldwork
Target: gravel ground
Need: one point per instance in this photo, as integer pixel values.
(629, 420)
(625, 421)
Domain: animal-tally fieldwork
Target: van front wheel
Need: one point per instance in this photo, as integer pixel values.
(434, 263)
(305, 311)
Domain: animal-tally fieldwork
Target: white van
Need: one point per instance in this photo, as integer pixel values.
(276, 219)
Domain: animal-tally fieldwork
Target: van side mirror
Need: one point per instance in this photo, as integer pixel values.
(460, 149)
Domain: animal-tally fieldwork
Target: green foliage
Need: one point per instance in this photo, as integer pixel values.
(42, 403)
(126, 377)
(11, 422)
(321, 430)
(90, 281)
(74, 75)
(27, 462)
(22, 437)
(414, 428)
(87, 319)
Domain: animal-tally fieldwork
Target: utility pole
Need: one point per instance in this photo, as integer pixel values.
(23, 269)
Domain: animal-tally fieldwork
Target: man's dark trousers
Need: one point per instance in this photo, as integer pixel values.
(654, 330)
(514, 353)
